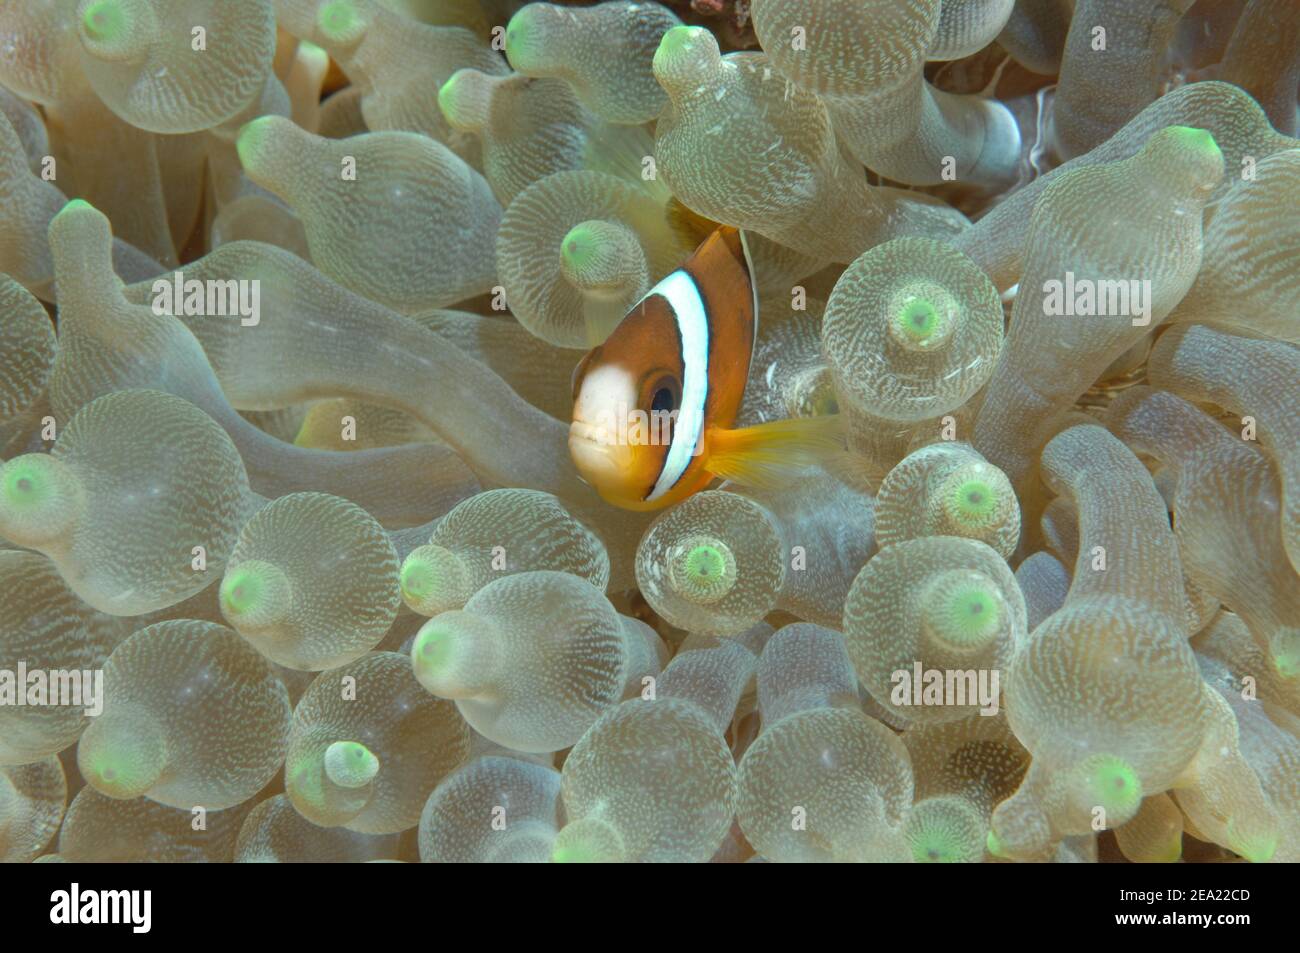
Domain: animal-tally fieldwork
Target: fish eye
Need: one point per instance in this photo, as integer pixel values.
(662, 395)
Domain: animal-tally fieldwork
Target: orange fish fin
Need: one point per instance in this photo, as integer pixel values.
(774, 454)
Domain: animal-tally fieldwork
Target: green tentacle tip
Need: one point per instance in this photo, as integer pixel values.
(104, 20)
(587, 841)
(1257, 847)
(972, 501)
(704, 562)
(1114, 785)
(123, 758)
(516, 33)
(580, 246)
(945, 831)
(26, 484)
(677, 39)
(431, 649)
(250, 138)
(118, 774)
(338, 19)
(1202, 140)
(447, 96)
(994, 846)
(1286, 659)
(241, 590)
(963, 610)
(418, 578)
(703, 569)
(433, 580)
(918, 319)
(350, 764)
(254, 592)
(919, 325)
(75, 205)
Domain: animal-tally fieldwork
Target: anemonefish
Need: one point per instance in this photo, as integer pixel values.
(654, 404)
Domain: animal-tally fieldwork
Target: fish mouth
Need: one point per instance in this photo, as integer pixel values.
(582, 432)
(601, 461)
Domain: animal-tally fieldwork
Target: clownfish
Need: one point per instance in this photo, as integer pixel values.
(653, 406)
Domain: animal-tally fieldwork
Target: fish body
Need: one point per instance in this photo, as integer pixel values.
(654, 405)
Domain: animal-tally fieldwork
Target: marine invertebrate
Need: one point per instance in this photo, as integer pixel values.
(605, 430)
(139, 55)
(893, 121)
(844, 777)
(45, 627)
(351, 763)
(1251, 251)
(1225, 500)
(735, 177)
(27, 346)
(603, 53)
(32, 797)
(947, 489)
(962, 770)
(98, 829)
(311, 582)
(108, 342)
(493, 810)
(493, 534)
(721, 561)
(1055, 349)
(275, 833)
(125, 547)
(576, 250)
(532, 128)
(911, 332)
(191, 715)
(1155, 684)
(397, 63)
(396, 189)
(1249, 377)
(671, 744)
(936, 603)
(519, 631)
(1110, 68)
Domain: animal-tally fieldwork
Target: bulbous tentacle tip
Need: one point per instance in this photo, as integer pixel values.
(703, 569)
(455, 654)
(434, 580)
(588, 841)
(350, 764)
(40, 499)
(122, 755)
(253, 137)
(341, 22)
(525, 40)
(116, 30)
(1255, 839)
(919, 325)
(255, 594)
(963, 609)
(684, 51)
(1110, 783)
(1285, 646)
(946, 830)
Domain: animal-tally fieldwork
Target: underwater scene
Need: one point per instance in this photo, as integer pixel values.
(709, 431)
